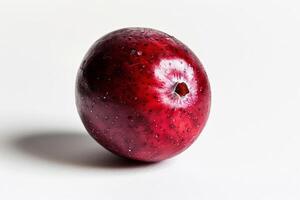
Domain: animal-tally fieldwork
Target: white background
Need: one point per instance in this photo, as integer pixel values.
(249, 149)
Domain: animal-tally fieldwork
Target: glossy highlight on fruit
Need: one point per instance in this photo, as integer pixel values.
(142, 94)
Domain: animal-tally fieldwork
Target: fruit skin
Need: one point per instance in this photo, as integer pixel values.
(126, 99)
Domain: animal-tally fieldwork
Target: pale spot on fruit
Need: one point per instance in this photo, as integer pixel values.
(178, 87)
(132, 52)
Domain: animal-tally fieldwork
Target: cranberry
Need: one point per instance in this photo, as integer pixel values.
(142, 94)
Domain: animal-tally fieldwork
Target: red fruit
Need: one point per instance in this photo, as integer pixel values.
(142, 94)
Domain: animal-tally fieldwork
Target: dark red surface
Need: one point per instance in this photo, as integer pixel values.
(142, 94)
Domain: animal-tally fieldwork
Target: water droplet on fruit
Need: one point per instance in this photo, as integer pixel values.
(135, 98)
(139, 53)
